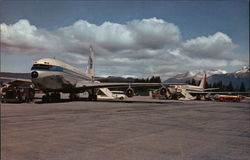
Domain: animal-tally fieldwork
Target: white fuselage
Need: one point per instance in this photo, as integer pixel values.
(51, 74)
(190, 88)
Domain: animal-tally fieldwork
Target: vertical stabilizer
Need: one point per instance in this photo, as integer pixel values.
(203, 81)
(90, 67)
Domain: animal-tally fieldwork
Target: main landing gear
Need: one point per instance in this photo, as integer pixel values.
(53, 97)
(56, 97)
(74, 96)
(92, 95)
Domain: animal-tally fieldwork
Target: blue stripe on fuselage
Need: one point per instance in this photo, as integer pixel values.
(64, 70)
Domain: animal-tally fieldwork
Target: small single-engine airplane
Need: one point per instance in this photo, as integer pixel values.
(53, 76)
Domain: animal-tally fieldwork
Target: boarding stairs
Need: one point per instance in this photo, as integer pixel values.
(106, 92)
(187, 96)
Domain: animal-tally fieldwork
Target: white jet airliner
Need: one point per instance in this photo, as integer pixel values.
(53, 76)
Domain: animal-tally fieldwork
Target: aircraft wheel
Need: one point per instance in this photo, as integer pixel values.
(26, 99)
(73, 97)
(92, 97)
(45, 99)
(55, 97)
(95, 97)
(121, 98)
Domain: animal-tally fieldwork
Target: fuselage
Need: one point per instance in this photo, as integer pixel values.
(52, 74)
(193, 88)
(179, 88)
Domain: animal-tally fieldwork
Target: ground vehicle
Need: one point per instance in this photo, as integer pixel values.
(155, 94)
(105, 93)
(15, 93)
(119, 95)
(227, 98)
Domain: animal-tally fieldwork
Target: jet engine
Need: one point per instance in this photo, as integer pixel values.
(163, 91)
(34, 74)
(129, 92)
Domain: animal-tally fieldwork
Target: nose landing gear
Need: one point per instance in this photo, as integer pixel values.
(92, 95)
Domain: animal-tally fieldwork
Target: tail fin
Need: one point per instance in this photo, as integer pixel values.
(90, 67)
(203, 81)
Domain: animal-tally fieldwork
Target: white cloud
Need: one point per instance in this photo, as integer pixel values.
(25, 38)
(175, 52)
(140, 47)
(236, 62)
(154, 33)
(214, 46)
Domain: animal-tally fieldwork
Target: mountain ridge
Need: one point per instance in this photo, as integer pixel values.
(214, 76)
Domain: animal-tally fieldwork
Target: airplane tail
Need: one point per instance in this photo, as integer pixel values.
(203, 81)
(90, 67)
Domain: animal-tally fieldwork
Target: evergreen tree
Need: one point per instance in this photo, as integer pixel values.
(157, 79)
(221, 86)
(208, 85)
(242, 87)
(230, 87)
(152, 79)
(193, 82)
(215, 85)
(236, 89)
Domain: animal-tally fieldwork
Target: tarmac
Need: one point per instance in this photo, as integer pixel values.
(136, 129)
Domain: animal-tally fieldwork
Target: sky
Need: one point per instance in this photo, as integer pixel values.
(130, 38)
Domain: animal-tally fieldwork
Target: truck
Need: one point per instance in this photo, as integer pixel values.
(17, 93)
(227, 98)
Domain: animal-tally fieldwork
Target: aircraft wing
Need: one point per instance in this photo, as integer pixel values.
(116, 85)
(211, 89)
(93, 85)
(15, 79)
(198, 92)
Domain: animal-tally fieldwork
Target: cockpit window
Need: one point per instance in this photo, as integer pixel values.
(41, 66)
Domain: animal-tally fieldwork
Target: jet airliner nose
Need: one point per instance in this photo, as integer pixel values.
(34, 74)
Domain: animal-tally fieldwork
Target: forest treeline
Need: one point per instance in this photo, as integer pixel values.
(222, 87)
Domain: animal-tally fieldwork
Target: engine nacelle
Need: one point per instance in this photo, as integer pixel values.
(129, 92)
(163, 91)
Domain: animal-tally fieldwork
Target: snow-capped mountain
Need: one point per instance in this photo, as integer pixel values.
(196, 75)
(244, 69)
(241, 75)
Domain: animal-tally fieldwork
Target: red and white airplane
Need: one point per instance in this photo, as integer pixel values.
(191, 92)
